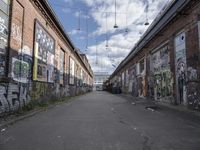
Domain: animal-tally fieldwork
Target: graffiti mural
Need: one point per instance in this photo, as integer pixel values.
(22, 65)
(44, 54)
(13, 97)
(20, 70)
(39, 89)
(181, 68)
(161, 77)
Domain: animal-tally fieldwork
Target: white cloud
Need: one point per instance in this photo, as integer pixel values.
(70, 2)
(74, 32)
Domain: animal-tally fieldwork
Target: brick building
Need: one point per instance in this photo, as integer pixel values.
(165, 63)
(38, 61)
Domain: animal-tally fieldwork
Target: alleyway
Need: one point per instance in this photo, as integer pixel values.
(101, 121)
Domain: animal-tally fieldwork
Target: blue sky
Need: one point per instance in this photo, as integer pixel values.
(96, 19)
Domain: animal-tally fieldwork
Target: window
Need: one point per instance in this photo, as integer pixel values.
(62, 66)
(82, 78)
(141, 66)
(123, 76)
(127, 77)
(71, 71)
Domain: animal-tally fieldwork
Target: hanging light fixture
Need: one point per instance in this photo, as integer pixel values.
(96, 53)
(79, 20)
(106, 31)
(115, 26)
(126, 30)
(86, 31)
(146, 23)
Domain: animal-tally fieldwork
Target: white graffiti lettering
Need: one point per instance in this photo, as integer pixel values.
(16, 33)
(12, 97)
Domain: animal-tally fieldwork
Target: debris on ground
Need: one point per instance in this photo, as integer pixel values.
(152, 108)
(2, 130)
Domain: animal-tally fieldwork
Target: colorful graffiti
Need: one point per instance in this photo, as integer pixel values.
(20, 70)
(44, 54)
(163, 85)
(39, 89)
(161, 81)
(22, 65)
(13, 97)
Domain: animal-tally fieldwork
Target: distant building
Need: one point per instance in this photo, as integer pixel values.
(99, 79)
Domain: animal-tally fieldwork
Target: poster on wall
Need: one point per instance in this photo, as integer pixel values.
(71, 71)
(44, 54)
(160, 60)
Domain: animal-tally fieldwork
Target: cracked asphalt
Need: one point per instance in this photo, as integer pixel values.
(102, 121)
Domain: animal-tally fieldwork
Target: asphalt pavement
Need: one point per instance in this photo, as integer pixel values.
(102, 121)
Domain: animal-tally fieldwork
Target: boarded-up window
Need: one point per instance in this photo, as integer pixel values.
(141, 66)
(71, 71)
(62, 66)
